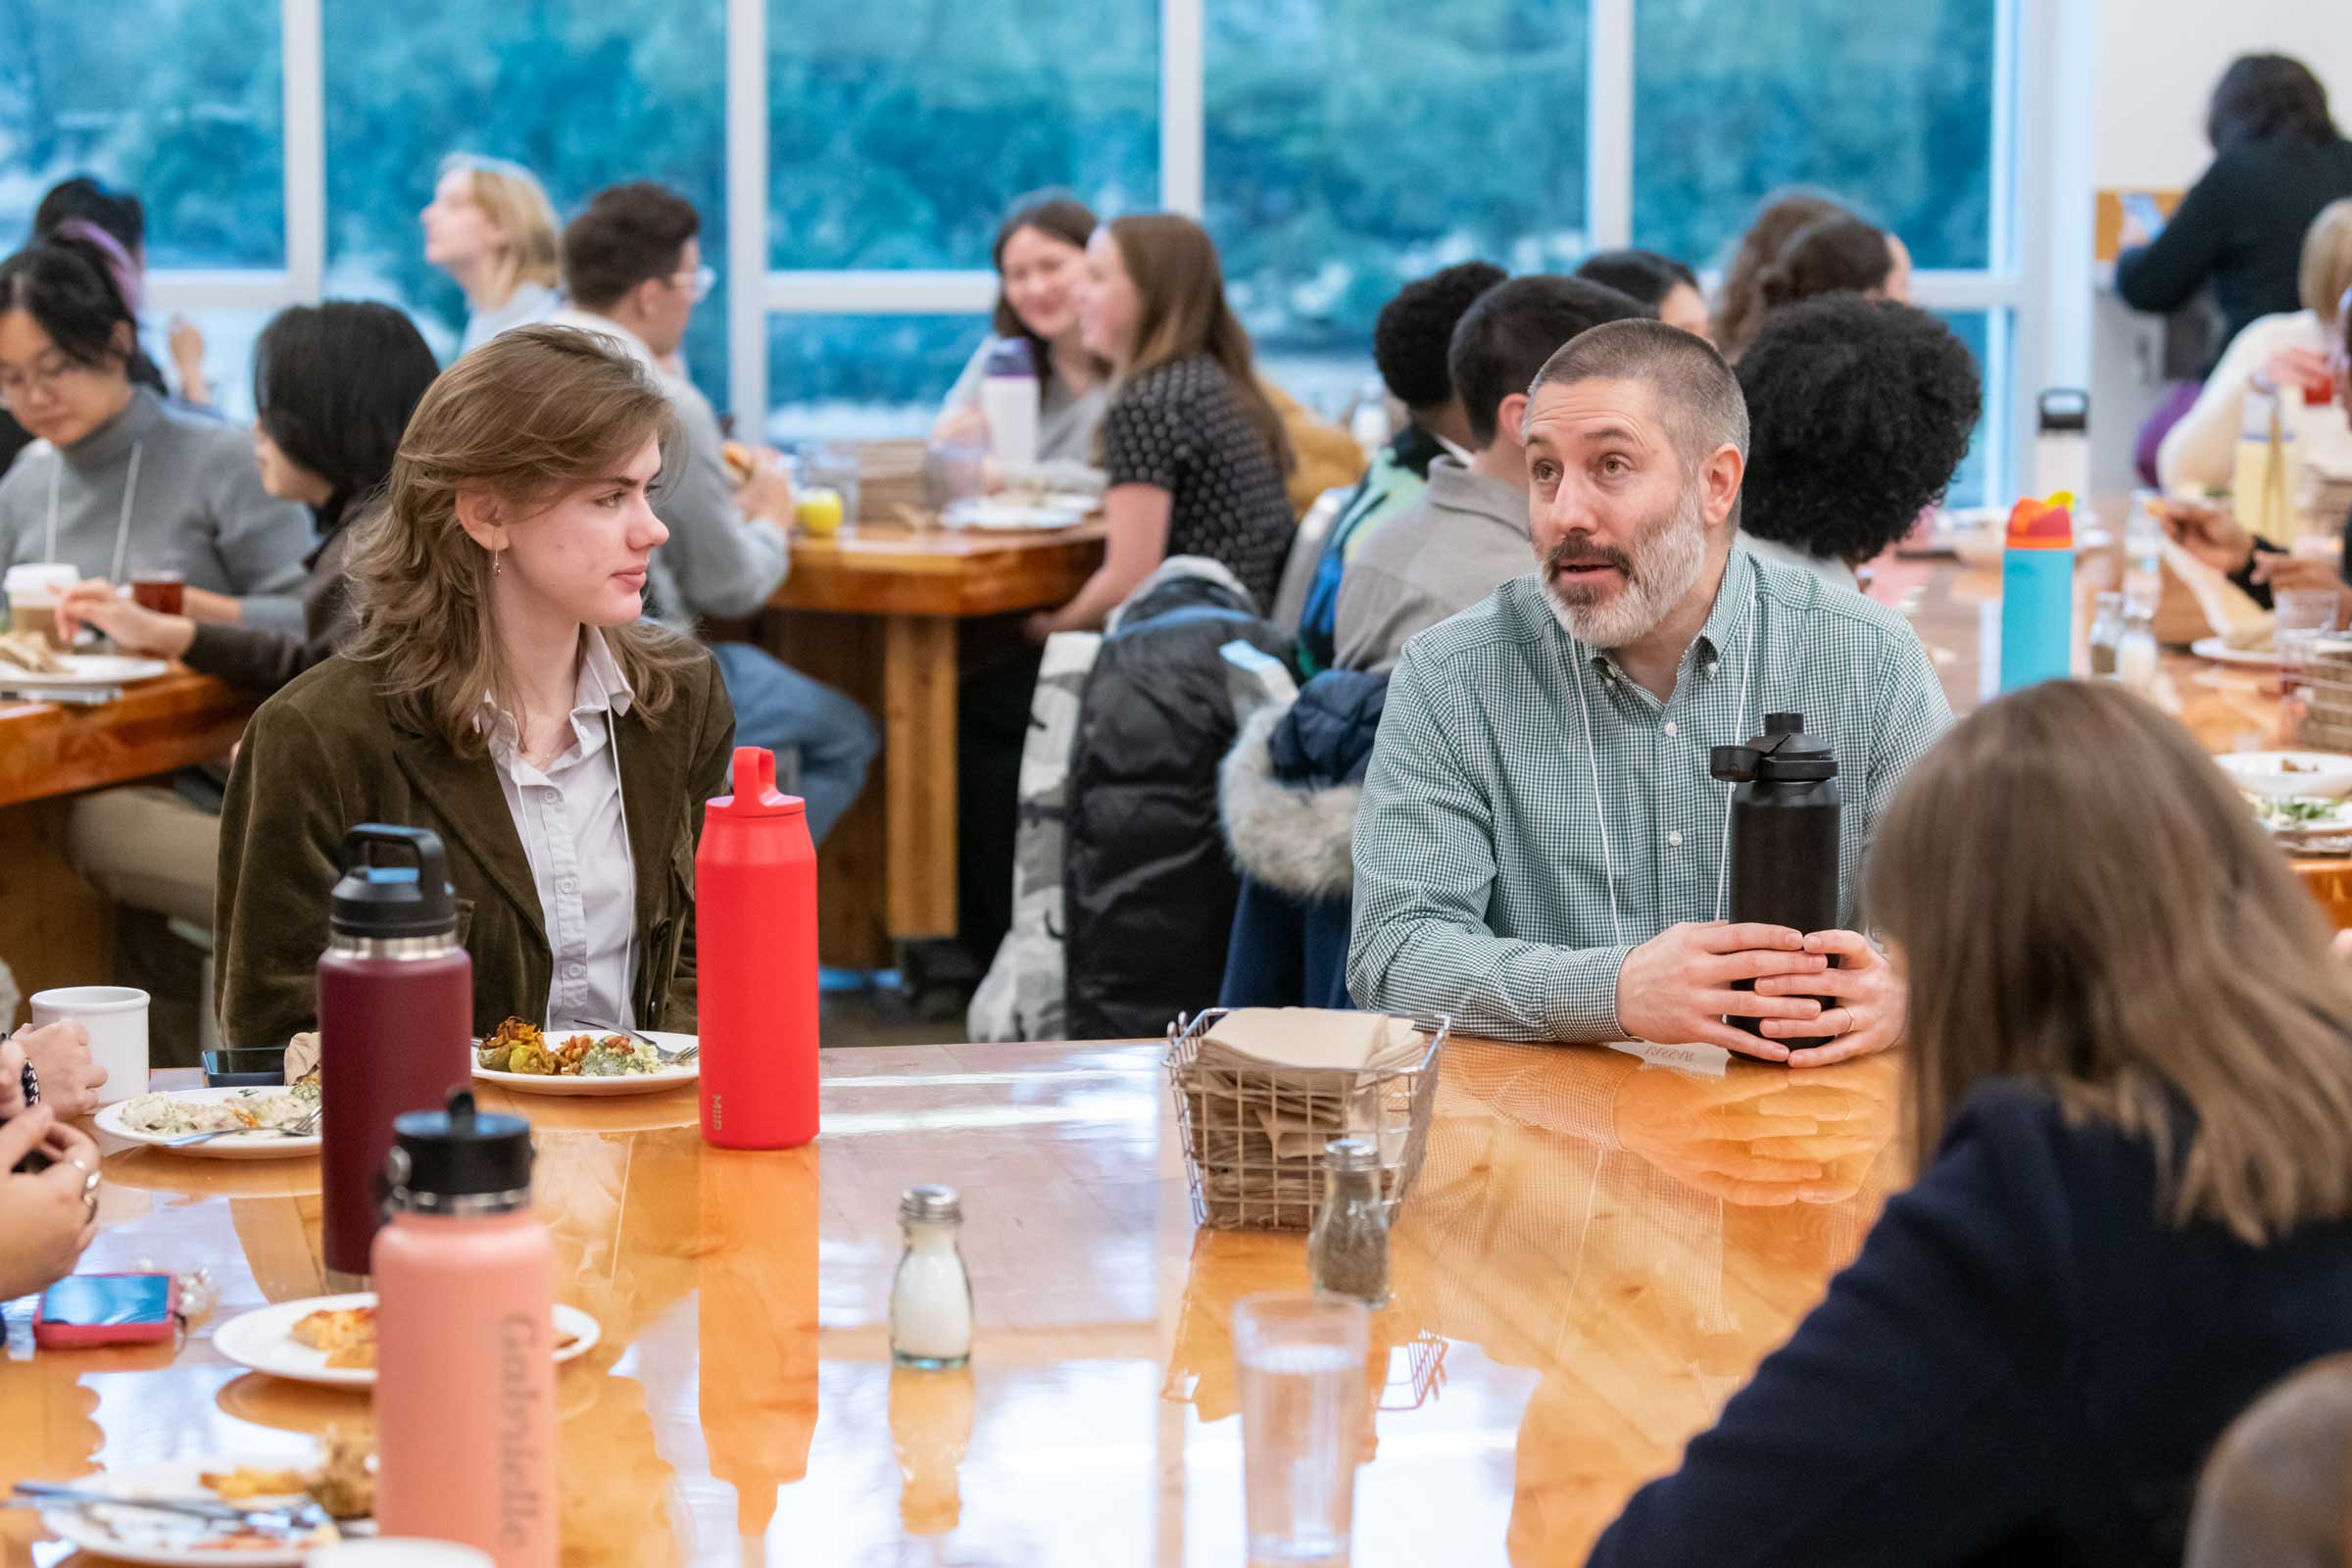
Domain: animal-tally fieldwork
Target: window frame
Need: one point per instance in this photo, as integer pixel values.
(2034, 290)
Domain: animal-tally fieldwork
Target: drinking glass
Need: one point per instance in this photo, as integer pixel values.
(2304, 616)
(1301, 1365)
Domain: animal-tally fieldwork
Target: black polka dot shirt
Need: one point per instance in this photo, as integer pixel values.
(1179, 427)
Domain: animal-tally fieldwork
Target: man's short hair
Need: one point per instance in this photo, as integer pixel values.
(1699, 398)
(1862, 411)
(627, 235)
(1514, 328)
(1416, 329)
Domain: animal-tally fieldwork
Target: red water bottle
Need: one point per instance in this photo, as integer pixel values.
(395, 1023)
(754, 938)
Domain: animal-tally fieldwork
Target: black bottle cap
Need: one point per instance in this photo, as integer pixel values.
(1783, 755)
(440, 1157)
(1784, 723)
(411, 897)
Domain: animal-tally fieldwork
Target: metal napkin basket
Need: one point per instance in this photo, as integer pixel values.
(1237, 1180)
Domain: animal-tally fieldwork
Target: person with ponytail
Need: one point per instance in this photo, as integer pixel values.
(119, 479)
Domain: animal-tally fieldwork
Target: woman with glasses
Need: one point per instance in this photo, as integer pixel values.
(492, 229)
(119, 481)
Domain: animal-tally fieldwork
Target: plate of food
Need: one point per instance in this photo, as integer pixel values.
(330, 1339)
(1043, 513)
(533, 1060)
(2299, 821)
(243, 1123)
(293, 1510)
(27, 659)
(2288, 775)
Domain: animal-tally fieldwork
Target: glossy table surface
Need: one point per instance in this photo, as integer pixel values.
(1596, 1256)
(894, 568)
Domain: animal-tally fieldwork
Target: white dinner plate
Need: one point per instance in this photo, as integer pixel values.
(263, 1341)
(2285, 776)
(87, 669)
(1014, 517)
(235, 1146)
(621, 1083)
(2218, 649)
(131, 1534)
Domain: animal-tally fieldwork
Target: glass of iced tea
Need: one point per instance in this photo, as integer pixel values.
(160, 589)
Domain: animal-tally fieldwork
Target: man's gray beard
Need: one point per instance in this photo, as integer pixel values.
(1666, 562)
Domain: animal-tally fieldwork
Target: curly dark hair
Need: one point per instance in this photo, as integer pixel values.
(1410, 338)
(1859, 411)
(2262, 96)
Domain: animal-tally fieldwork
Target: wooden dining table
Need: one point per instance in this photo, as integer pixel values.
(1577, 1291)
(54, 928)
(883, 612)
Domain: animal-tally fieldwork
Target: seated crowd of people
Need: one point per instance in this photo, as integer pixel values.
(1447, 752)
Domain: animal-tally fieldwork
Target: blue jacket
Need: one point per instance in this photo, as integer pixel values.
(2026, 1366)
(1288, 794)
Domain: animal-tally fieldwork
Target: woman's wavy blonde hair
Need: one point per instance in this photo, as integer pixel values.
(525, 418)
(514, 200)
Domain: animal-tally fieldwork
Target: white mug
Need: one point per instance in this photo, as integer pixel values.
(117, 1018)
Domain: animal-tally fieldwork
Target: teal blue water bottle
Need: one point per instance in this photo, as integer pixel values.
(2037, 593)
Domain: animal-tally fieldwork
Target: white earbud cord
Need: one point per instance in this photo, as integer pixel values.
(1600, 810)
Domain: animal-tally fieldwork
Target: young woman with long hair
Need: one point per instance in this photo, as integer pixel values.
(1837, 255)
(1192, 446)
(503, 691)
(492, 229)
(1739, 304)
(2130, 1093)
(333, 386)
(1039, 258)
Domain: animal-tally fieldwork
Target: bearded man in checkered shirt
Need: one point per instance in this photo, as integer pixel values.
(1540, 851)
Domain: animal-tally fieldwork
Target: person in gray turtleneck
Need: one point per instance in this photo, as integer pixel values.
(119, 480)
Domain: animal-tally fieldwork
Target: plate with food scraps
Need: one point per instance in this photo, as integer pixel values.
(2303, 816)
(83, 669)
(145, 1536)
(2288, 775)
(155, 1120)
(580, 1061)
(2261, 656)
(1048, 515)
(330, 1339)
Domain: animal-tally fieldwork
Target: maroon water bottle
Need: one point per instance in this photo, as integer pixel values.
(395, 1022)
(754, 943)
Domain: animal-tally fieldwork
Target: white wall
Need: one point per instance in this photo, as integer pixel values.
(2157, 61)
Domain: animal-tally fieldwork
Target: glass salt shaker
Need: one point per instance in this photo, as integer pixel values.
(931, 1296)
(2135, 654)
(1347, 1251)
(2107, 636)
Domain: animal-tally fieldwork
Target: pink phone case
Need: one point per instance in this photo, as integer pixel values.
(81, 1335)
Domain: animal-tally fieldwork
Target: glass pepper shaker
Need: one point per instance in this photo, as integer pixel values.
(931, 1296)
(1347, 1251)
(2107, 636)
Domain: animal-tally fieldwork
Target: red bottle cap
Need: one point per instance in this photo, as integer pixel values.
(2042, 524)
(755, 793)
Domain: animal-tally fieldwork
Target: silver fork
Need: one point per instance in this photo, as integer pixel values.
(304, 1128)
(667, 1057)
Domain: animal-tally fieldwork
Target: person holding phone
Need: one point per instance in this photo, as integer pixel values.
(49, 1205)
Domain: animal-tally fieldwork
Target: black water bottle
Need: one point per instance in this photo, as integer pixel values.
(1784, 834)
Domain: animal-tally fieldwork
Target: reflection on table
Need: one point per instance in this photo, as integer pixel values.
(1597, 1255)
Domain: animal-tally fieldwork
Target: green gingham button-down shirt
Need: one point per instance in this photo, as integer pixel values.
(1490, 838)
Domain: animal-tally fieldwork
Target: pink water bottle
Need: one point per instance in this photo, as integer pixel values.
(465, 1373)
(395, 1023)
(754, 938)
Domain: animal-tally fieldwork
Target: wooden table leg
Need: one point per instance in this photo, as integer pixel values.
(918, 740)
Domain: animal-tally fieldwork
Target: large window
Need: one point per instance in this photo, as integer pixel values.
(1334, 148)
(583, 92)
(178, 99)
(1354, 145)
(1733, 100)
